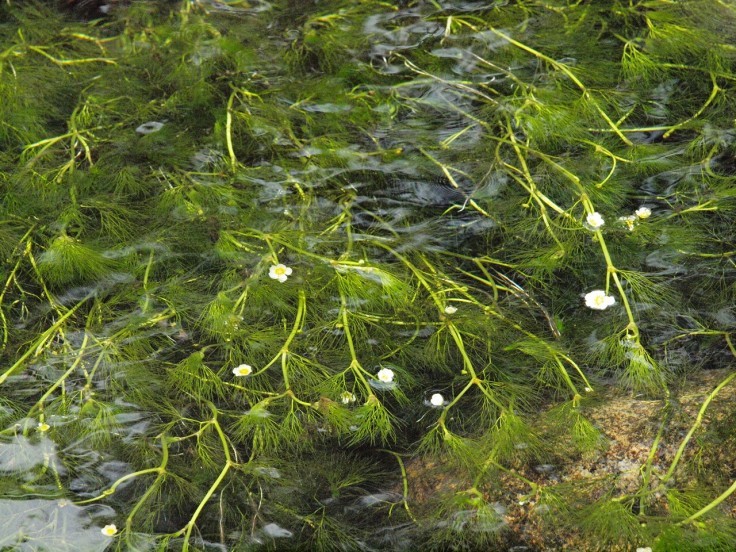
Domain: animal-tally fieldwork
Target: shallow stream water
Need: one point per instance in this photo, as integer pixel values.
(300, 275)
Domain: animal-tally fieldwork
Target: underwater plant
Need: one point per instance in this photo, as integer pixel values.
(366, 275)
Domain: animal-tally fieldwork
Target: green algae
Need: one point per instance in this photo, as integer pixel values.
(434, 175)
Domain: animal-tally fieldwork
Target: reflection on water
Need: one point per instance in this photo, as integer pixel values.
(36, 525)
(22, 454)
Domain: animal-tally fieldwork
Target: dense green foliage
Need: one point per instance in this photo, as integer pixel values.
(434, 175)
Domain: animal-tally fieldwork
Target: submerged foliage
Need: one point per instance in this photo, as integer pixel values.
(260, 257)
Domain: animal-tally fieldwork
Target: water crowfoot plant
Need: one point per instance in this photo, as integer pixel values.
(431, 186)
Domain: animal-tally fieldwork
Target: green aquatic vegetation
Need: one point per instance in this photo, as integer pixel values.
(261, 262)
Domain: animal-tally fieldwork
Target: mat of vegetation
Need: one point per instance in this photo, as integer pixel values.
(366, 275)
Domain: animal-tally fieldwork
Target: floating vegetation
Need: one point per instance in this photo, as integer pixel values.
(358, 276)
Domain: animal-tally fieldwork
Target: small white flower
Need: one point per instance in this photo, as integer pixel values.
(109, 530)
(643, 212)
(347, 397)
(385, 375)
(598, 300)
(43, 426)
(449, 309)
(279, 272)
(243, 370)
(595, 220)
(629, 221)
(588, 389)
(437, 400)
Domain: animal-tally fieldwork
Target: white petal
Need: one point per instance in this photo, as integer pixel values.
(437, 400)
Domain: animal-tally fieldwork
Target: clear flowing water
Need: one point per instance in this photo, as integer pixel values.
(336, 275)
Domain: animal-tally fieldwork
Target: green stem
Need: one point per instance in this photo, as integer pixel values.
(561, 67)
(355, 366)
(713, 93)
(77, 360)
(229, 131)
(405, 484)
(647, 468)
(295, 328)
(695, 426)
(37, 346)
(189, 527)
(723, 496)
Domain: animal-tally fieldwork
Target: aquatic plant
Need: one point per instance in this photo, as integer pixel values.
(264, 264)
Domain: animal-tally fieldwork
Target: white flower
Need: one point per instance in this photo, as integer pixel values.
(437, 400)
(588, 389)
(243, 370)
(449, 309)
(629, 221)
(43, 426)
(643, 212)
(279, 272)
(109, 530)
(598, 300)
(594, 220)
(385, 375)
(347, 397)
(642, 549)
